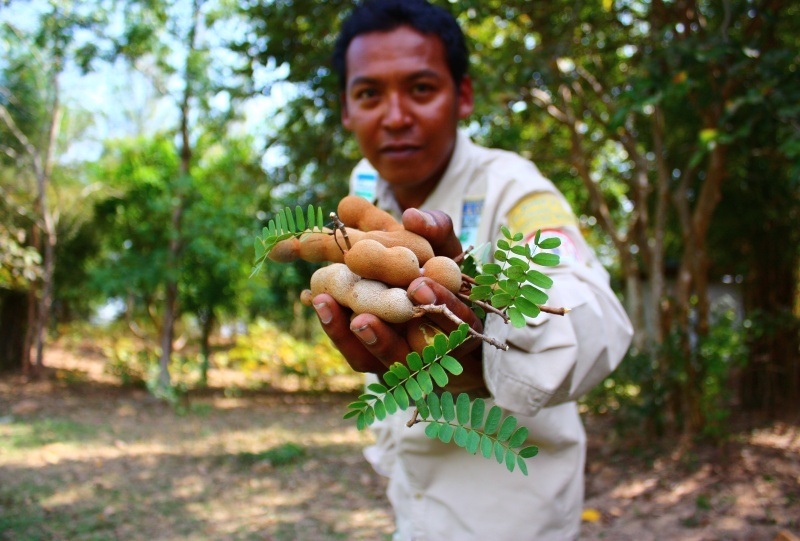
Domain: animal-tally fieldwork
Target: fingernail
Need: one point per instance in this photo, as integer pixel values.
(324, 313)
(366, 334)
(423, 294)
(427, 217)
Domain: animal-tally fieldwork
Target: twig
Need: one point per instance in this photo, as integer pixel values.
(424, 309)
(414, 419)
(337, 224)
(486, 307)
(555, 311)
(460, 257)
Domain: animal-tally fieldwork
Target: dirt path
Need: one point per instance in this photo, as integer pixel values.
(83, 459)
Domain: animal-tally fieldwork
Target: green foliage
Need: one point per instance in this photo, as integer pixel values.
(511, 284)
(461, 420)
(286, 225)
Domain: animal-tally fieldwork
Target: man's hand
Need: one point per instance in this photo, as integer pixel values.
(372, 345)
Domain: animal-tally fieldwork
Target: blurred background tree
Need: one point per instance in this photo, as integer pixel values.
(672, 127)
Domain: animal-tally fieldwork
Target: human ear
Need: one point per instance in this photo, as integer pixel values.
(345, 115)
(466, 102)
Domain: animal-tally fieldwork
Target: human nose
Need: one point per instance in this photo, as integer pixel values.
(396, 114)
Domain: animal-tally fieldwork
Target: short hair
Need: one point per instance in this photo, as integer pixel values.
(386, 15)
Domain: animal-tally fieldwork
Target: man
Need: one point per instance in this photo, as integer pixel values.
(403, 67)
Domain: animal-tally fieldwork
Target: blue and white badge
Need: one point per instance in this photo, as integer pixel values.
(365, 184)
(470, 222)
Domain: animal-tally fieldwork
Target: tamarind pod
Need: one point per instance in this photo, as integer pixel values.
(362, 296)
(389, 304)
(356, 212)
(445, 271)
(396, 266)
(306, 297)
(314, 248)
(417, 244)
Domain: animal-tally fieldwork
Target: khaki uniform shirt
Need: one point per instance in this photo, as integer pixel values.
(441, 492)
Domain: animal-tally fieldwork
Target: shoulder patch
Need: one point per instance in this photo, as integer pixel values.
(540, 210)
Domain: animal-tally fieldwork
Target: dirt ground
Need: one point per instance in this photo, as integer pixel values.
(83, 458)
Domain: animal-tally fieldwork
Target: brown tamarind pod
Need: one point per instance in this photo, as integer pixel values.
(356, 212)
(444, 271)
(396, 266)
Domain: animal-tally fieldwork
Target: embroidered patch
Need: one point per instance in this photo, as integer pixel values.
(568, 252)
(470, 222)
(541, 210)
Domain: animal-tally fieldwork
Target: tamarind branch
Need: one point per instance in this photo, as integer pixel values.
(486, 306)
(338, 225)
(414, 418)
(441, 309)
(460, 257)
(555, 311)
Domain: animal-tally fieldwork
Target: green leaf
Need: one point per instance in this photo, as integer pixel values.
(492, 268)
(290, 220)
(376, 388)
(460, 437)
(320, 219)
(479, 293)
(503, 244)
(390, 403)
(529, 452)
(432, 430)
(428, 354)
(312, 218)
(486, 446)
(517, 262)
(370, 415)
(455, 339)
(401, 397)
(546, 260)
(520, 249)
(400, 371)
(451, 365)
(511, 461)
(499, 452)
(380, 410)
(350, 414)
(283, 225)
(413, 389)
(501, 300)
(519, 437)
(522, 466)
(360, 404)
(462, 408)
(493, 420)
(435, 406)
(507, 428)
(367, 396)
(516, 273)
(446, 433)
(526, 307)
(361, 421)
(414, 361)
(473, 442)
(299, 218)
(476, 415)
(425, 383)
(516, 317)
(422, 408)
(517, 237)
(448, 409)
(506, 233)
(549, 244)
(533, 294)
(485, 279)
(440, 344)
(439, 375)
(499, 255)
(391, 379)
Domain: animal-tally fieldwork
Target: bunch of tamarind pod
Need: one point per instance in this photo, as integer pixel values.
(373, 260)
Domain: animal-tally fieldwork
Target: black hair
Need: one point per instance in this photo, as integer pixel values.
(386, 15)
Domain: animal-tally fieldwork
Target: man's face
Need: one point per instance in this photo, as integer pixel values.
(403, 107)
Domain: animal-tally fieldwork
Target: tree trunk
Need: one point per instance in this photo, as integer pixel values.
(207, 318)
(13, 327)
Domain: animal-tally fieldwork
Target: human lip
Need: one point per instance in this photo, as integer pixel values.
(399, 149)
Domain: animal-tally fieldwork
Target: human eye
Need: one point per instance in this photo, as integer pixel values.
(365, 93)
